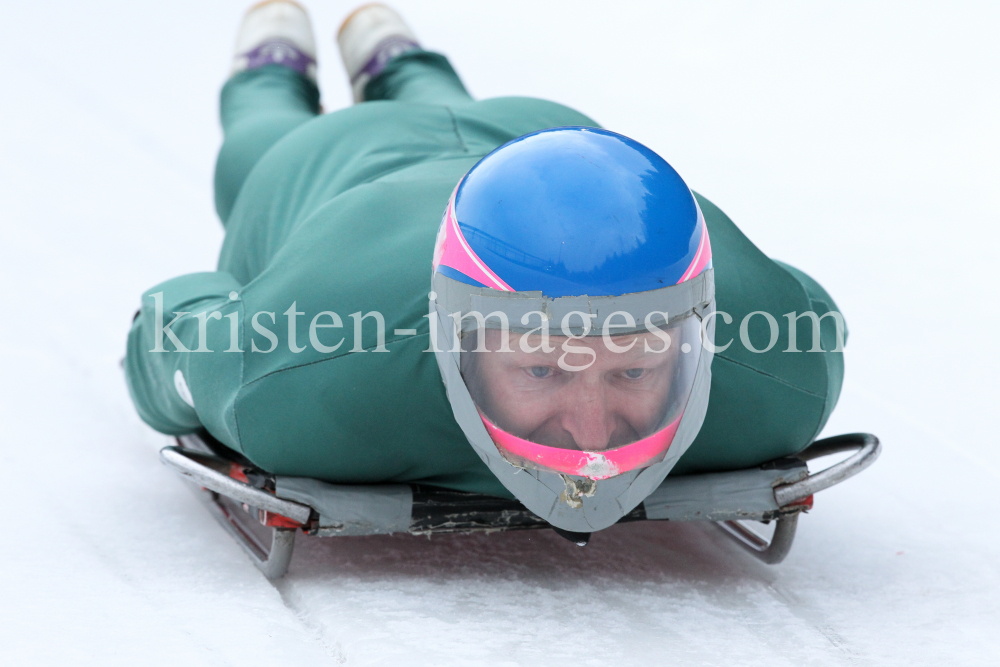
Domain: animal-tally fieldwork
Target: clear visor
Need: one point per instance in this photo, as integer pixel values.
(596, 405)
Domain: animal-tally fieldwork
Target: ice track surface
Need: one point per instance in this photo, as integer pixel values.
(857, 141)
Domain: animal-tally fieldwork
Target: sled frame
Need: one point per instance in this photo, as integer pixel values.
(248, 513)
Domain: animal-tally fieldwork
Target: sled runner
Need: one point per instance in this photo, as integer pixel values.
(263, 511)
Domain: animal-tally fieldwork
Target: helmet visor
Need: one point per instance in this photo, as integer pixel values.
(595, 405)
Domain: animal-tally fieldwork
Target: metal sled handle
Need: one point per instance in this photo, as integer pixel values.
(868, 448)
(186, 464)
(771, 551)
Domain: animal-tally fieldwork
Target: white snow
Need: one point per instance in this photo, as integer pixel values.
(855, 140)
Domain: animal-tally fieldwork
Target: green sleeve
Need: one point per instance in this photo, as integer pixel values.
(822, 303)
(208, 359)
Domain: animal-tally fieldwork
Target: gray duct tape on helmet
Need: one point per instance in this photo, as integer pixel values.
(572, 503)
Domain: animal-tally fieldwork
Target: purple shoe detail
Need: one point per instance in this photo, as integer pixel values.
(387, 49)
(279, 52)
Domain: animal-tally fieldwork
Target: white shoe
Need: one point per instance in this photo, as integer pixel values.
(276, 32)
(368, 39)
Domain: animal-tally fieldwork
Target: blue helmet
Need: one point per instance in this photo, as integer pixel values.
(572, 211)
(583, 255)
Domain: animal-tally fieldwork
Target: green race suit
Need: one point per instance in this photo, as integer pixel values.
(330, 217)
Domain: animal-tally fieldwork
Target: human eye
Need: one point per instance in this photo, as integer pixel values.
(540, 372)
(634, 373)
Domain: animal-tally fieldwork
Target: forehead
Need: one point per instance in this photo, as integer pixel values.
(636, 343)
(596, 340)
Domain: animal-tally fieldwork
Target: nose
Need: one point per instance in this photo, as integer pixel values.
(589, 418)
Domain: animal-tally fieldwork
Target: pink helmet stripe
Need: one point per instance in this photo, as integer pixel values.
(595, 465)
(452, 250)
(702, 257)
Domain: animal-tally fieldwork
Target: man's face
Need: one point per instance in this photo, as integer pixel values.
(583, 395)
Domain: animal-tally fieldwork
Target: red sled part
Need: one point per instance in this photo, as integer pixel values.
(238, 472)
(805, 503)
(276, 520)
